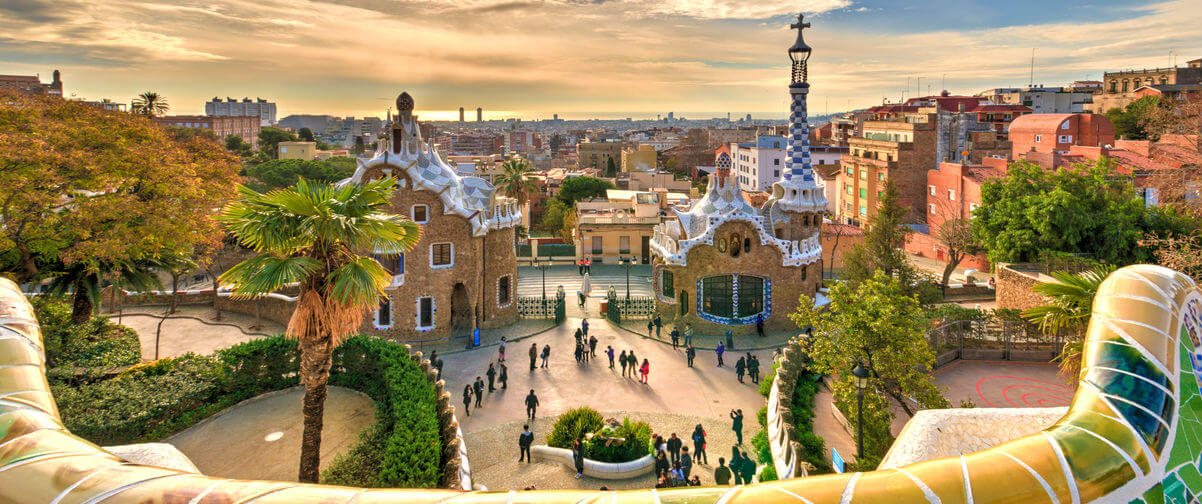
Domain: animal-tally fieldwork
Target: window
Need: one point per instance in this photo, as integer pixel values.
(951, 195)
(717, 295)
(1038, 138)
(1064, 125)
(847, 188)
(736, 245)
(863, 193)
(667, 284)
(863, 174)
(623, 244)
(972, 206)
(394, 265)
(1135, 85)
(1064, 139)
(880, 194)
(880, 176)
(1124, 85)
(1114, 85)
(425, 313)
(776, 162)
(442, 255)
(850, 172)
(383, 318)
(503, 291)
(931, 189)
(751, 295)
(932, 208)
(863, 210)
(419, 214)
(597, 242)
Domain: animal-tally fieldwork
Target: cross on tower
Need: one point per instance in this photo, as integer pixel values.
(800, 24)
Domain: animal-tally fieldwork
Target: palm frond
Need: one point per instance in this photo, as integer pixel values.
(360, 281)
(266, 273)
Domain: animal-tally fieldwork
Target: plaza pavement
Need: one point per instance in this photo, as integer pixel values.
(603, 276)
(192, 329)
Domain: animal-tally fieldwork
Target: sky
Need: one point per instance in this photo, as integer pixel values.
(578, 58)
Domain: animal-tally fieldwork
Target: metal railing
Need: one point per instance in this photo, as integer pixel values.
(1012, 340)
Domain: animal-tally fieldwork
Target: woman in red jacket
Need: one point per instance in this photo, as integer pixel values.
(646, 368)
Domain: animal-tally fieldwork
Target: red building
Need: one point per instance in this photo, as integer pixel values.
(1055, 133)
(246, 127)
(953, 192)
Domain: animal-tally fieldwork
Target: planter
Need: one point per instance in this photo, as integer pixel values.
(597, 469)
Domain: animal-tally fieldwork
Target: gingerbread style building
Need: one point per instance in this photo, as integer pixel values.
(462, 274)
(725, 264)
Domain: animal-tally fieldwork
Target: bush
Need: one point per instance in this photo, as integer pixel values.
(636, 442)
(572, 424)
(763, 453)
(96, 343)
(762, 416)
(769, 377)
(768, 473)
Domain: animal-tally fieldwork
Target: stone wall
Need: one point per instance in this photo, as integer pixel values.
(787, 453)
(457, 473)
(939, 433)
(1014, 288)
(788, 283)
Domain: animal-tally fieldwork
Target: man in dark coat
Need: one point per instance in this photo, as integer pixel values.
(479, 389)
(674, 445)
(533, 355)
(659, 324)
(722, 473)
(690, 353)
(531, 404)
(492, 377)
(504, 377)
(753, 369)
(740, 367)
(747, 470)
(524, 441)
(578, 456)
(736, 418)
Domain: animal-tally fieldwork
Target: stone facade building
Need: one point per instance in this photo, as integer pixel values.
(1118, 88)
(725, 264)
(462, 274)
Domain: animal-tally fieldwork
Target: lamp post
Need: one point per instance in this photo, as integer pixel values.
(542, 268)
(861, 379)
(628, 262)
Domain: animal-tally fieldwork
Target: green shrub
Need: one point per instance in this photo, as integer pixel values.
(768, 473)
(636, 442)
(759, 442)
(762, 416)
(98, 343)
(572, 424)
(766, 382)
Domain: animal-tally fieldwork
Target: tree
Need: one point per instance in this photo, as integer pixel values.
(1071, 303)
(269, 141)
(88, 190)
(83, 282)
(611, 169)
(881, 250)
(875, 323)
(359, 147)
(151, 104)
(1129, 121)
(305, 135)
(314, 234)
(553, 215)
(957, 236)
(281, 173)
(236, 145)
(1182, 253)
(580, 188)
(516, 180)
(1088, 208)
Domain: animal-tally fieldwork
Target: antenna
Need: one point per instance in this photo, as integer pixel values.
(1032, 81)
(943, 84)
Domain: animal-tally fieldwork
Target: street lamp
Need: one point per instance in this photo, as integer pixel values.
(860, 373)
(628, 262)
(542, 268)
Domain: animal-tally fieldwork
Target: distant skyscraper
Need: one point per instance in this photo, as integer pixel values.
(479, 114)
(460, 114)
(556, 117)
(231, 107)
(671, 115)
(748, 117)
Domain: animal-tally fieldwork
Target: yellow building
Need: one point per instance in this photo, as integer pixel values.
(298, 150)
(643, 158)
(621, 225)
(596, 154)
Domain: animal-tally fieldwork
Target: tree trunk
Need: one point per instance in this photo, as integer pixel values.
(947, 272)
(316, 352)
(81, 310)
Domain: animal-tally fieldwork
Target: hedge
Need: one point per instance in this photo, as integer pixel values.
(152, 401)
(98, 343)
(813, 446)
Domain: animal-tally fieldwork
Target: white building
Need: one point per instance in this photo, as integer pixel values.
(1042, 100)
(757, 165)
(260, 108)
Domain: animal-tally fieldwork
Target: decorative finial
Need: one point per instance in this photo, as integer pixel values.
(800, 52)
(404, 103)
(800, 24)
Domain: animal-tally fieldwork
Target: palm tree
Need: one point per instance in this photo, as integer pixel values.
(84, 282)
(150, 104)
(515, 180)
(1071, 298)
(320, 236)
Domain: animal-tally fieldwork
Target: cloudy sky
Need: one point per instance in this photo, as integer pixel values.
(577, 58)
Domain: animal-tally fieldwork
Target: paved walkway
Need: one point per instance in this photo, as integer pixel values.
(530, 280)
(192, 329)
(1005, 384)
(260, 439)
(772, 340)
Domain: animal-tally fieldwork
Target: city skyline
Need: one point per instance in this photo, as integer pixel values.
(614, 59)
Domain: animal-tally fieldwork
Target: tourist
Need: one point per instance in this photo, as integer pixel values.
(747, 469)
(580, 267)
(578, 456)
(546, 354)
(662, 482)
(533, 355)
(699, 454)
(677, 475)
(650, 328)
(588, 266)
(689, 352)
(674, 444)
(736, 417)
(675, 335)
(524, 442)
(645, 370)
(753, 369)
(579, 335)
(688, 334)
(720, 350)
(592, 346)
(580, 298)
(722, 473)
(759, 325)
(584, 326)
(609, 352)
(696, 481)
(504, 377)
(622, 359)
(686, 462)
(501, 351)
(661, 464)
(479, 390)
(740, 368)
(633, 362)
(531, 404)
(659, 323)
(492, 376)
(659, 444)
(467, 400)
(578, 351)
(736, 463)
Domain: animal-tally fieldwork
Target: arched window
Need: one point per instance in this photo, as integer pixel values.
(383, 317)
(733, 298)
(736, 245)
(667, 284)
(503, 291)
(746, 245)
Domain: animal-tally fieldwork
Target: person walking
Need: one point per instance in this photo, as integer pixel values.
(577, 352)
(736, 463)
(501, 350)
(699, 454)
(579, 334)
(645, 370)
(753, 369)
(531, 404)
(675, 335)
(609, 352)
(588, 266)
(686, 462)
(759, 325)
(504, 377)
(584, 326)
(740, 368)
(580, 267)
(736, 418)
(674, 444)
(546, 354)
(479, 389)
(467, 400)
(721, 349)
(633, 362)
(688, 334)
(622, 360)
(578, 456)
(722, 473)
(690, 353)
(650, 328)
(592, 345)
(659, 324)
(524, 441)
(533, 355)
(748, 469)
(492, 376)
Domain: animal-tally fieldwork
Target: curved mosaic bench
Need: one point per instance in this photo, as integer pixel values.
(594, 468)
(1132, 434)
